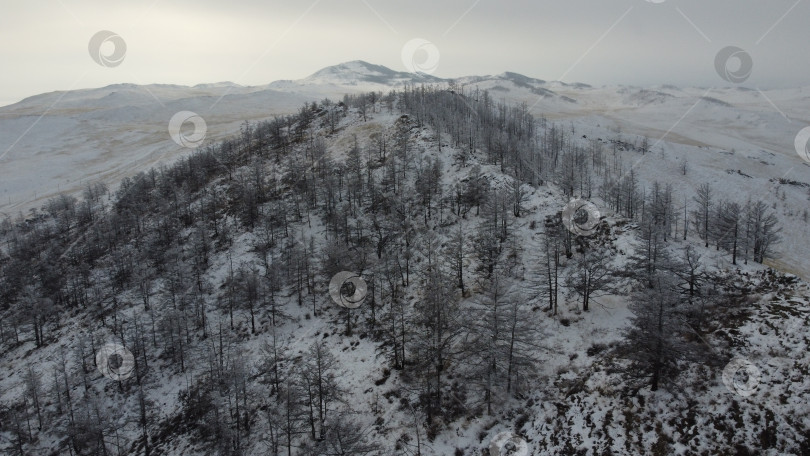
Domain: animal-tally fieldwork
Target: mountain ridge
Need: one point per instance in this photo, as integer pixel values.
(58, 142)
(350, 73)
(357, 76)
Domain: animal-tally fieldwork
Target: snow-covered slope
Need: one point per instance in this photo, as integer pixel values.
(61, 141)
(576, 401)
(358, 72)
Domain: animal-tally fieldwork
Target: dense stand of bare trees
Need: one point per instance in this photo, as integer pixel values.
(448, 305)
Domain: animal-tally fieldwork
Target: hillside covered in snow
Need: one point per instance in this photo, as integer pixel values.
(61, 142)
(481, 306)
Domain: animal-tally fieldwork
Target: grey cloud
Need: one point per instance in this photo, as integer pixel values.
(189, 42)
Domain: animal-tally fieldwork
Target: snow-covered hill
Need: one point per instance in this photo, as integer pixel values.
(360, 73)
(61, 141)
(214, 274)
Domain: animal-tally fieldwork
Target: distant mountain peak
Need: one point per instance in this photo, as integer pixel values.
(360, 71)
(354, 67)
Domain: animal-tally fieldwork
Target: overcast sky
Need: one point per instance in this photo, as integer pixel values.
(44, 43)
